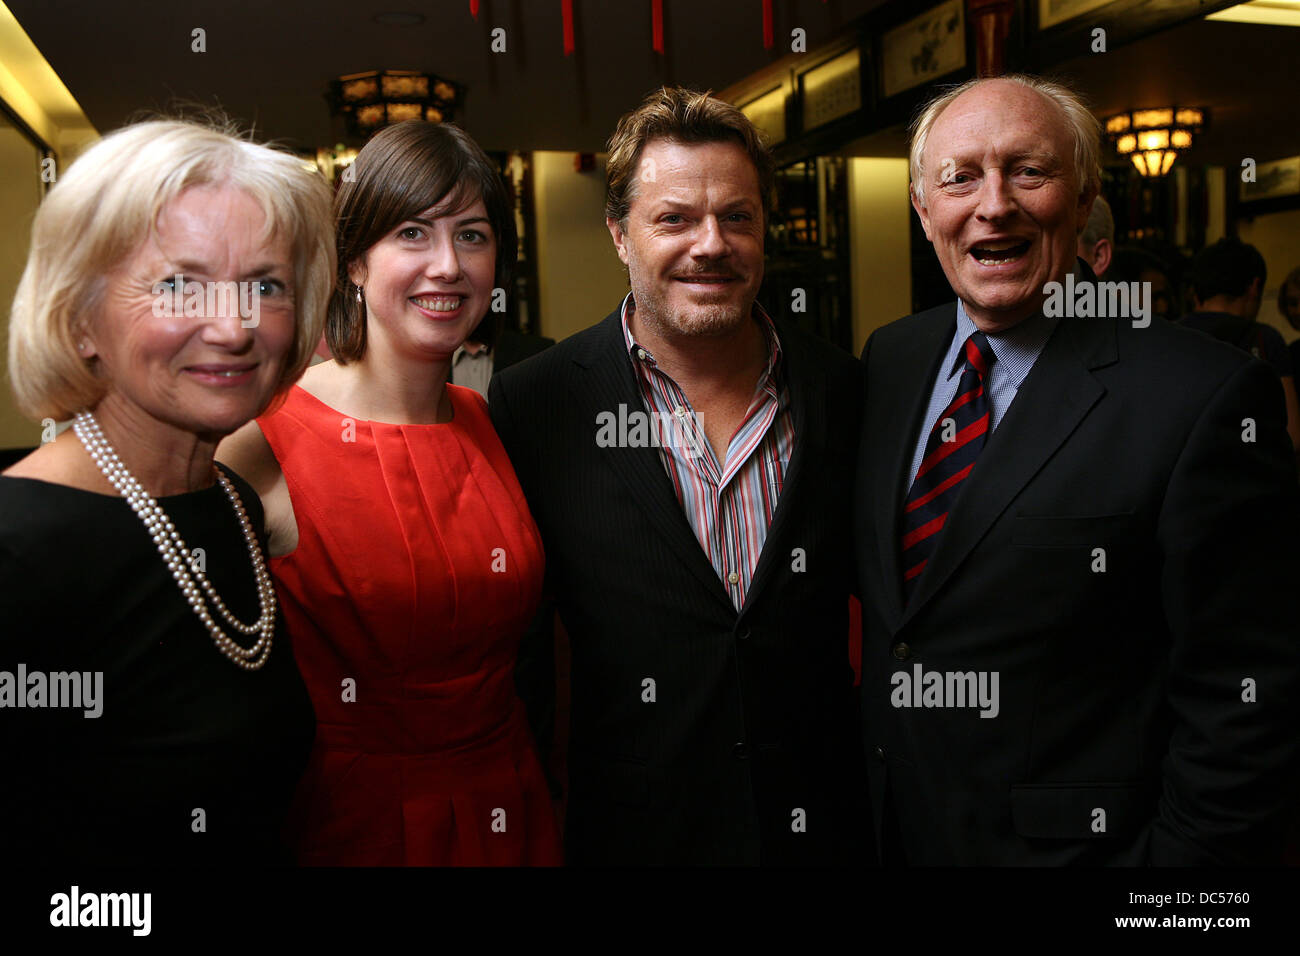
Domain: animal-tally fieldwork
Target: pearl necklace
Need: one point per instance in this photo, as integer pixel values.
(176, 555)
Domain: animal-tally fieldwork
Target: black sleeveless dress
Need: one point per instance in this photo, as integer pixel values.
(191, 760)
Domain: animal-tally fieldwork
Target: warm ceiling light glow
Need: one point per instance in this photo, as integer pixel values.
(1155, 163)
(1153, 138)
(1145, 119)
(370, 101)
(1276, 13)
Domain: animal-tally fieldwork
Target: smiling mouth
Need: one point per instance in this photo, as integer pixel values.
(999, 253)
(439, 303)
(222, 372)
(706, 280)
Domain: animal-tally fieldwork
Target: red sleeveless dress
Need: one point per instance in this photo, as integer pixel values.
(417, 570)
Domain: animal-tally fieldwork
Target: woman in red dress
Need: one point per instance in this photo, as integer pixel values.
(406, 560)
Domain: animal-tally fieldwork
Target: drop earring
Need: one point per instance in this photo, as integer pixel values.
(359, 293)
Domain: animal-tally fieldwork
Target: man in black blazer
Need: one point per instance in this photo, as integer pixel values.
(689, 464)
(1074, 535)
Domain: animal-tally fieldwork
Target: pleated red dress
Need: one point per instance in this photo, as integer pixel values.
(417, 570)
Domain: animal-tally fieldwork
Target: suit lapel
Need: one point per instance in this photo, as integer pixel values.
(607, 380)
(1058, 393)
(808, 407)
(908, 394)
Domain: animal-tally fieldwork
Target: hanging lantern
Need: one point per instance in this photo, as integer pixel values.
(370, 101)
(1153, 138)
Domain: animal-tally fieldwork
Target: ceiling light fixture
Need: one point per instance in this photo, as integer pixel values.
(370, 101)
(1153, 138)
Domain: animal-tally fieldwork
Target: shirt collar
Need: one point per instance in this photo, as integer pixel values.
(639, 353)
(1016, 348)
(462, 352)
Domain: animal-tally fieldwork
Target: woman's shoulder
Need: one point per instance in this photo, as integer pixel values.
(45, 524)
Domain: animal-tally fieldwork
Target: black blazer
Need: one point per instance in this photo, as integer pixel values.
(1121, 690)
(750, 751)
(513, 347)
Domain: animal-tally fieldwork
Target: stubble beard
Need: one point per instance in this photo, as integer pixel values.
(695, 321)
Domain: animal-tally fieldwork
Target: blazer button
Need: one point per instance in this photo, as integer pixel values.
(901, 651)
(740, 751)
(880, 754)
(743, 635)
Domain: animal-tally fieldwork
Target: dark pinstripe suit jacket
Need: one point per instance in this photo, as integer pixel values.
(749, 751)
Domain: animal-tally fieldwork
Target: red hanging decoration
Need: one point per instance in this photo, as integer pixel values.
(769, 36)
(566, 11)
(473, 9)
(657, 24)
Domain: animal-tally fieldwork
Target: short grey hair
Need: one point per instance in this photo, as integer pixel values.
(1101, 224)
(1084, 128)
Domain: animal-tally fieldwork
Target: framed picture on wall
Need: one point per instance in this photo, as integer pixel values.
(924, 48)
(1052, 12)
(1273, 180)
(832, 89)
(767, 112)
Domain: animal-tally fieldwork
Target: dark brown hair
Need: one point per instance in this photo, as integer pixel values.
(404, 170)
(680, 116)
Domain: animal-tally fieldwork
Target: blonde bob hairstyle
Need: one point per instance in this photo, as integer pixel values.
(107, 204)
(1083, 128)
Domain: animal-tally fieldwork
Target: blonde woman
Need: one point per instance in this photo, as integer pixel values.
(176, 285)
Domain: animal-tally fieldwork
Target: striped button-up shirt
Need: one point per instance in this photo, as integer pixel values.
(729, 504)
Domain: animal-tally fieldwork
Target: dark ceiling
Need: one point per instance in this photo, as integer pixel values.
(270, 62)
(1244, 73)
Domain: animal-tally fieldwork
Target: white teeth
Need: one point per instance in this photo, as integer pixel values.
(991, 257)
(440, 304)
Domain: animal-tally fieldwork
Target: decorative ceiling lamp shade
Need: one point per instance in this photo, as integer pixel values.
(370, 101)
(1152, 139)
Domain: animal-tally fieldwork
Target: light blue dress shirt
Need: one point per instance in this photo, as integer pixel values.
(1016, 349)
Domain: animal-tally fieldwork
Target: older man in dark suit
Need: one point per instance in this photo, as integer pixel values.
(689, 462)
(1074, 532)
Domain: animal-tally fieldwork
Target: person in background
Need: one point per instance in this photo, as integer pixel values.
(1097, 241)
(1228, 281)
(489, 350)
(176, 285)
(1132, 264)
(1288, 303)
(402, 547)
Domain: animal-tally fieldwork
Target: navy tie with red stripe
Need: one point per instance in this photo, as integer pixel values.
(955, 442)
